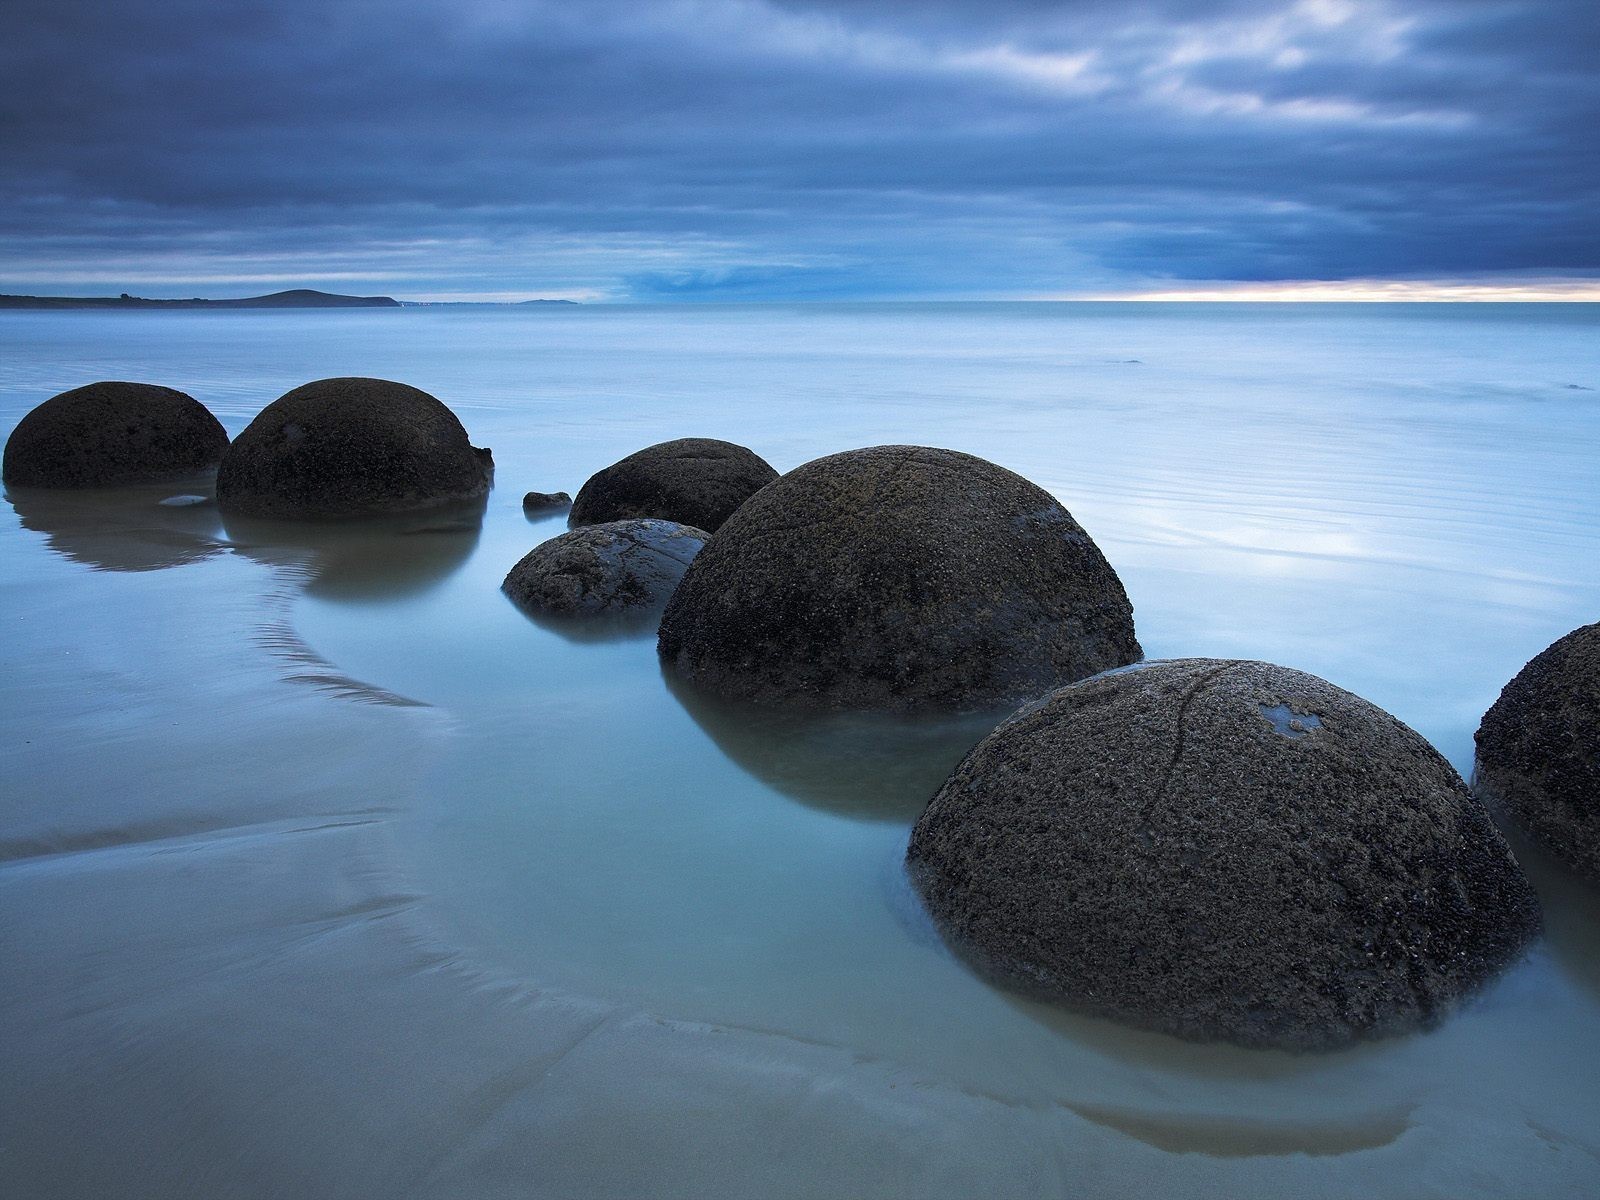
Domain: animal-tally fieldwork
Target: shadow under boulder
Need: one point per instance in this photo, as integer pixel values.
(869, 766)
(348, 448)
(1539, 750)
(901, 578)
(1225, 851)
(695, 481)
(137, 527)
(113, 434)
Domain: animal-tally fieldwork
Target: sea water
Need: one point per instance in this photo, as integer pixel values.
(324, 870)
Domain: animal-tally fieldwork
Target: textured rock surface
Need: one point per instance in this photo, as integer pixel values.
(538, 501)
(695, 481)
(349, 447)
(898, 577)
(1222, 850)
(113, 433)
(620, 568)
(1539, 750)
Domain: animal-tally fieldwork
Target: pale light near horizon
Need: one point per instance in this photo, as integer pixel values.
(1554, 291)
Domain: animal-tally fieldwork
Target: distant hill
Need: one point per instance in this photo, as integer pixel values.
(297, 298)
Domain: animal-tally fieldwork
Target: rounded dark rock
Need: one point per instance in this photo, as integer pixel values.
(901, 578)
(545, 501)
(110, 434)
(1222, 850)
(1539, 750)
(696, 481)
(351, 447)
(621, 568)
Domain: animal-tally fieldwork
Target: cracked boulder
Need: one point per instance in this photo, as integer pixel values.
(351, 447)
(695, 481)
(621, 568)
(1222, 850)
(111, 434)
(1539, 750)
(897, 578)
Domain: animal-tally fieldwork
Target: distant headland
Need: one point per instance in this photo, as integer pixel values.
(297, 298)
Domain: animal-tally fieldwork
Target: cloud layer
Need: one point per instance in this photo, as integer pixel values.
(739, 149)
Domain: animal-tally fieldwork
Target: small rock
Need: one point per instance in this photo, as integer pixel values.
(536, 501)
(619, 568)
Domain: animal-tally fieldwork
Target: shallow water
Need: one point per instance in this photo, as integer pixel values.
(321, 862)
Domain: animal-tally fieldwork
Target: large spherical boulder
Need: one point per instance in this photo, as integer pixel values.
(1222, 850)
(351, 447)
(619, 568)
(113, 433)
(1539, 750)
(897, 577)
(694, 481)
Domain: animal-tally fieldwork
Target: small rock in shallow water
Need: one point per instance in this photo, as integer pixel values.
(1224, 851)
(534, 501)
(619, 568)
(1539, 750)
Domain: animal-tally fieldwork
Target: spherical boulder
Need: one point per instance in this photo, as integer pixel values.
(898, 578)
(113, 433)
(351, 447)
(1222, 850)
(695, 481)
(1539, 750)
(621, 568)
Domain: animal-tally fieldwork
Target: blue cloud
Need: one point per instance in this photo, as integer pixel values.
(749, 149)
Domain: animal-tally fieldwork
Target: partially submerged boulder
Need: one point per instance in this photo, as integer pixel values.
(110, 434)
(545, 501)
(1539, 750)
(902, 578)
(351, 447)
(1222, 850)
(621, 568)
(695, 481)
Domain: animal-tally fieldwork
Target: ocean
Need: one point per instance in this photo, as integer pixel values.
(324, 870)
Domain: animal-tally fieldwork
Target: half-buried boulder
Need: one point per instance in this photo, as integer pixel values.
(1539, 750)
(695, 481)
(1222, 850)
(351, 447)
(110, 434)
(621, 568)
(899, 578)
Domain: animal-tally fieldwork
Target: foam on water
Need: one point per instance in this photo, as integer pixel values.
(321, 862)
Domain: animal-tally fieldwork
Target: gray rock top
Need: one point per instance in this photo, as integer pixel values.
(113, 433)
(1539, 750)
(351, 447)
(1222, 850)
(696, 481)
(902, 578)
(622, 568)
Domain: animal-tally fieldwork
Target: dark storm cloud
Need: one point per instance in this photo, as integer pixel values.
(744, 148)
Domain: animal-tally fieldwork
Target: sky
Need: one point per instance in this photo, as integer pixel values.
(784, 150)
